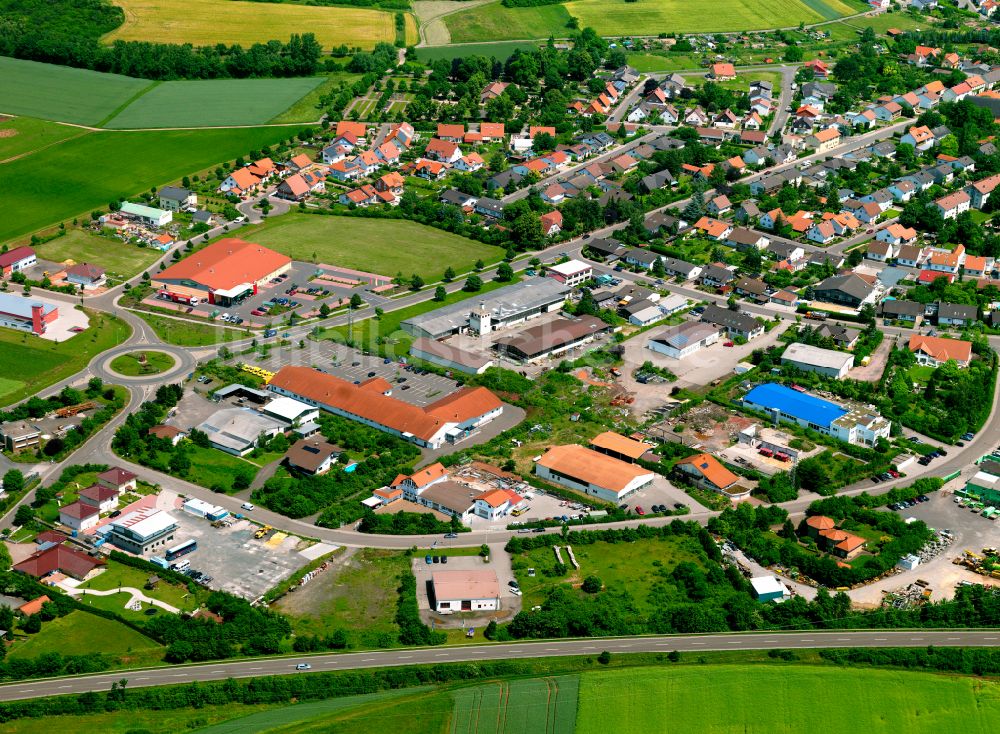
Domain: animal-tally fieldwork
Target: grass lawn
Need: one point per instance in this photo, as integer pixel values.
(646, 62)
(632, 567)
(222, 21)
(384, 246)
(63, 93)
(29, 363)
(920, 374)
(80, 633)
(117, 575)
(723, 698)
(120, 259)
(210, 466)
(501, 50)
(142, 363)
(188, 333)
(365, 334)
(494, 22)
(206, 103)
(307, 108)
(22, 135)
(59, 183)
(359, 598)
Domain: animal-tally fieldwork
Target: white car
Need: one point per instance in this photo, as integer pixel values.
(515, 592)
(303, 666)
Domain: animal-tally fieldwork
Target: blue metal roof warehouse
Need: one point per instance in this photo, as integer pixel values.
(801, 406)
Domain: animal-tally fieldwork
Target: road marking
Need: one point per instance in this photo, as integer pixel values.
(367, 660)
(179, 675)
(63, 687)
(879, 639)
(697, 643)
(441, 655)
(806, 639)
(732, 642)
(257, 668)
(989, 638)
(952, 638)
(405, 657)
(143, 678)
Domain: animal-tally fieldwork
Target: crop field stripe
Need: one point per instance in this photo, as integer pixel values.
(117, 111)
(565, 704)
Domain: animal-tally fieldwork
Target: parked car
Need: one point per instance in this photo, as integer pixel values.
(728, 344)
(451, 535)
(303, 666)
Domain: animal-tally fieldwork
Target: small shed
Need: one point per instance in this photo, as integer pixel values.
(768, 588)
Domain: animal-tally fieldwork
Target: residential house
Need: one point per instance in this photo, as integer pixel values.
(849, 290)
(714, 229)
(442, 150)
(906, 311)
(919, 136)
(933, 351)
(741, 238)
(551, 223)
(956, 314)
(895, 235)
(953, 204)
(735, 323)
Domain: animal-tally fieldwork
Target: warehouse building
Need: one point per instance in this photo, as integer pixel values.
(449, 357)
(238, 430)
(571, 272)
(620, 447)
(290, 411)
(465, 591)
(505, 307)
(147, 215)
(448, 420)
(24, 314)
(550, 339)
(768, 588)
(855, 424)
(827, 362)
(224, 273)
(685, 339)
(592, 472)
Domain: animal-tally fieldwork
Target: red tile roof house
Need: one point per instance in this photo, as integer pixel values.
(60, 559)
(118, 479)
(105, 499)
(442, 150)
(79, 516)
(34, 606)
(16, 260)
(551, 223)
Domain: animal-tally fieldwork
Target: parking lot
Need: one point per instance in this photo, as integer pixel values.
(660, 492)
(237, 562)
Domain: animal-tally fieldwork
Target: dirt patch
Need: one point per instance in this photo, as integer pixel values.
(711, 427)
(8, 132)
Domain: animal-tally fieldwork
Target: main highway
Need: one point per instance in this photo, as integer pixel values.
(330, 662)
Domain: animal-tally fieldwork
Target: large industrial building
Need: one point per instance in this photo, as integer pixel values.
(448, 420)
(592, 472)
(449, 356)
(550, 339)
(504, 307)
(223, 273)
(852, 424)
(238, 430)
(140, 531)
(827, 362)
(24, 314)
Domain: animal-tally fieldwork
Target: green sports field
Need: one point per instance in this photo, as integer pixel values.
(62, 93)
(214, 102)
(384, 246)
(79, 175)
(724, 699)
(647, 17)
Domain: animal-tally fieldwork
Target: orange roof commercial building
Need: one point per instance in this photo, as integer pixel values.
(224, 273)
(708, 472)
(449, 420)
(592, 472)
(619, 446)
(465, 591)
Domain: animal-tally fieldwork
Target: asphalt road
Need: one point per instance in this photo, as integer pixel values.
(539, 649)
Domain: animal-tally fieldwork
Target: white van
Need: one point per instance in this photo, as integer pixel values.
(181, 565)
(247, 506)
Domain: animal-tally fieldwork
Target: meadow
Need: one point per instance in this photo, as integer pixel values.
(29, 363)
(63, 93)
(384, 246)
(23, 135)
(81, 633)
(307, 108)
(120, 259)
(501, 50)
(495, 22)
(722, 699)
(214, 102)
(85, 173)
(226, 21)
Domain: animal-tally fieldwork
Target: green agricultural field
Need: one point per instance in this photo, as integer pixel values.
(724, 699)
(81, 633)
(531, 706)
(120, 259)
(24, 135)
(63, 93)
(222, 21)
(29, 363)
(307, 108)
(61, 182)
(502, 50)
(189, 333)
(494, 22)
(214, 102)
(384, 246)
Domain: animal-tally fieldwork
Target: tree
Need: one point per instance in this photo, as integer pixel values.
(479, 265)
(592, 585)
(473, 284)
(416, 282)
(604, 658)
(449, 274)
(658, 269)
(356, 301)
(324, 310)
(13, 481)
(32, 625)
(24, 515)
(440, 293)
(505, 273)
